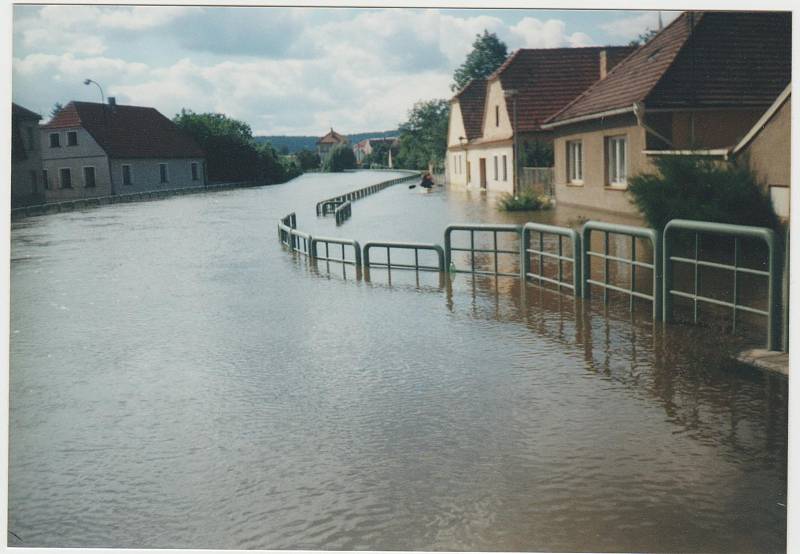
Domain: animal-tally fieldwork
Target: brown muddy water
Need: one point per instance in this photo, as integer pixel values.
(178, 380)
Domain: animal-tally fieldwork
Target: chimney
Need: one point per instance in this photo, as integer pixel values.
(603, 64)
(112, 101)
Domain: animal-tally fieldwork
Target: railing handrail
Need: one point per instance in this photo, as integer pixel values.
(634, 232)
(737, 232)
(568, 232)
(416, 246)
(472, 228)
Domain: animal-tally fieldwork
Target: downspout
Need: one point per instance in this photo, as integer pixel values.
(638, 111)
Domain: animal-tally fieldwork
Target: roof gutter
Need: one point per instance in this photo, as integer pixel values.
(638, 111)
(589, 117)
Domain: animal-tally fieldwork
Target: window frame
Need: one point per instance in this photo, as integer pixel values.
(45, 180)
(574, 171)
(71, 134)
(61, 171)
(130, 175)
(195, 171)
(496, 168)
(163, 176)
(94, 177)
(614, 166)
(505, 168)
(57, 142)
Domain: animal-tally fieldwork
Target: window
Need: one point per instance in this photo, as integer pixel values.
(194, 172)
(497, 116)
(88, 177)
(616, 160)
(66, 177)
(496, 173)
(126, 175)
(575, 161)
(55, 140)
(45, 180)
(162, 168)
(72, 138)
(505, 169)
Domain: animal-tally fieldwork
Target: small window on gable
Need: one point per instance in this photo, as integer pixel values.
(497, 116)
(72, 138)
(55, 140)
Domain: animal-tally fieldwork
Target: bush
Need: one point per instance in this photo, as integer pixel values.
(527, 201)
(340, 157)
(689, 187)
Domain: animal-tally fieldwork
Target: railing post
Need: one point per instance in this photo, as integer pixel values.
(586, 262)
(666, 297)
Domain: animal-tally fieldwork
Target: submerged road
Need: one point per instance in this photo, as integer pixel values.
(178, 380)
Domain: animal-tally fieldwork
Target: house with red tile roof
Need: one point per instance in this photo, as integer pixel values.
(90, 149)
(26, 157)
(326, 143)
(489, 117)
(697, 87)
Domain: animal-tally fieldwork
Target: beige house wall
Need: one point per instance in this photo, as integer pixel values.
(496, 128)
(769, 157)
(455, 125)
(594, 192)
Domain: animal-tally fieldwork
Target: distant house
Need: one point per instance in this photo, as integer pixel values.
(364, 148)
(26, 157)
(532, 84)
(326, 143)
(697, 87)
(91, 149)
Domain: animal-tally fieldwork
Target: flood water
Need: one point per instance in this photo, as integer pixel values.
(179, 380)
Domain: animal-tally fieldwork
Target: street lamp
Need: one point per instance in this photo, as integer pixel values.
(513, 94)
(102, 96)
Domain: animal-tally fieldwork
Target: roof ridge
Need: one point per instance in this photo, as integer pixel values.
(621, 65)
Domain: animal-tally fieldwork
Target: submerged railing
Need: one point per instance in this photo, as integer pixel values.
(560, 233)
(330, 205)
(738, 232)
(634, 233)
(494, 250)
(577, 254)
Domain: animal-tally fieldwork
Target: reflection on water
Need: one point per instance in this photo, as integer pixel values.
(188, 383)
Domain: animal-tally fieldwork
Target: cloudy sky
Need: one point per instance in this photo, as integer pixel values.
(282, 70)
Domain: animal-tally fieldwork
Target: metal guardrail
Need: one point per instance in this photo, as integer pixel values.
(633, 233)
(300, 242)
(541, 253)
(285, 226)
(415, 246)
(343, 212)
(327, 241)
(324, 206)
(495, 250)
(738, 232)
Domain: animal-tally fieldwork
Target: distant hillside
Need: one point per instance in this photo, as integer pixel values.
(297, 143)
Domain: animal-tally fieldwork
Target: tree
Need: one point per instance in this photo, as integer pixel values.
(643, 38)
(340, 157)
(536, 153)
(57, 107)
(379, 155)
(488, 53)
(423, 138)
(308, 159)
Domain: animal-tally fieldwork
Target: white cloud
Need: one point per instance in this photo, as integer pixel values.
(630, 27)
(534, 33)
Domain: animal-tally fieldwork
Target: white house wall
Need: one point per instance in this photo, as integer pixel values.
(495, 128)
(146, 174)
(86, 153)
(455, 127)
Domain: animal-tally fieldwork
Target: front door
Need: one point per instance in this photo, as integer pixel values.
(483, 173)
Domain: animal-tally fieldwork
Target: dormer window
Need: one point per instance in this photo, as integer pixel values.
(55, 140)
(72, 138)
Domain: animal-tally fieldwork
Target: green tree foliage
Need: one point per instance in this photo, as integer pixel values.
(231, 152)
(688, 187)
(488, 53)
(340, 157)
(643, 38)
(308, 159)
(536, 153)
(379, 155)
(57, 107)
(423, 138)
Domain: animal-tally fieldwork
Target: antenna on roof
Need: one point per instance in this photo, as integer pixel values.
(660, 23)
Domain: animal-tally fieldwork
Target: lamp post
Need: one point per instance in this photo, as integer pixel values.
(512, 94)
(102, 96)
